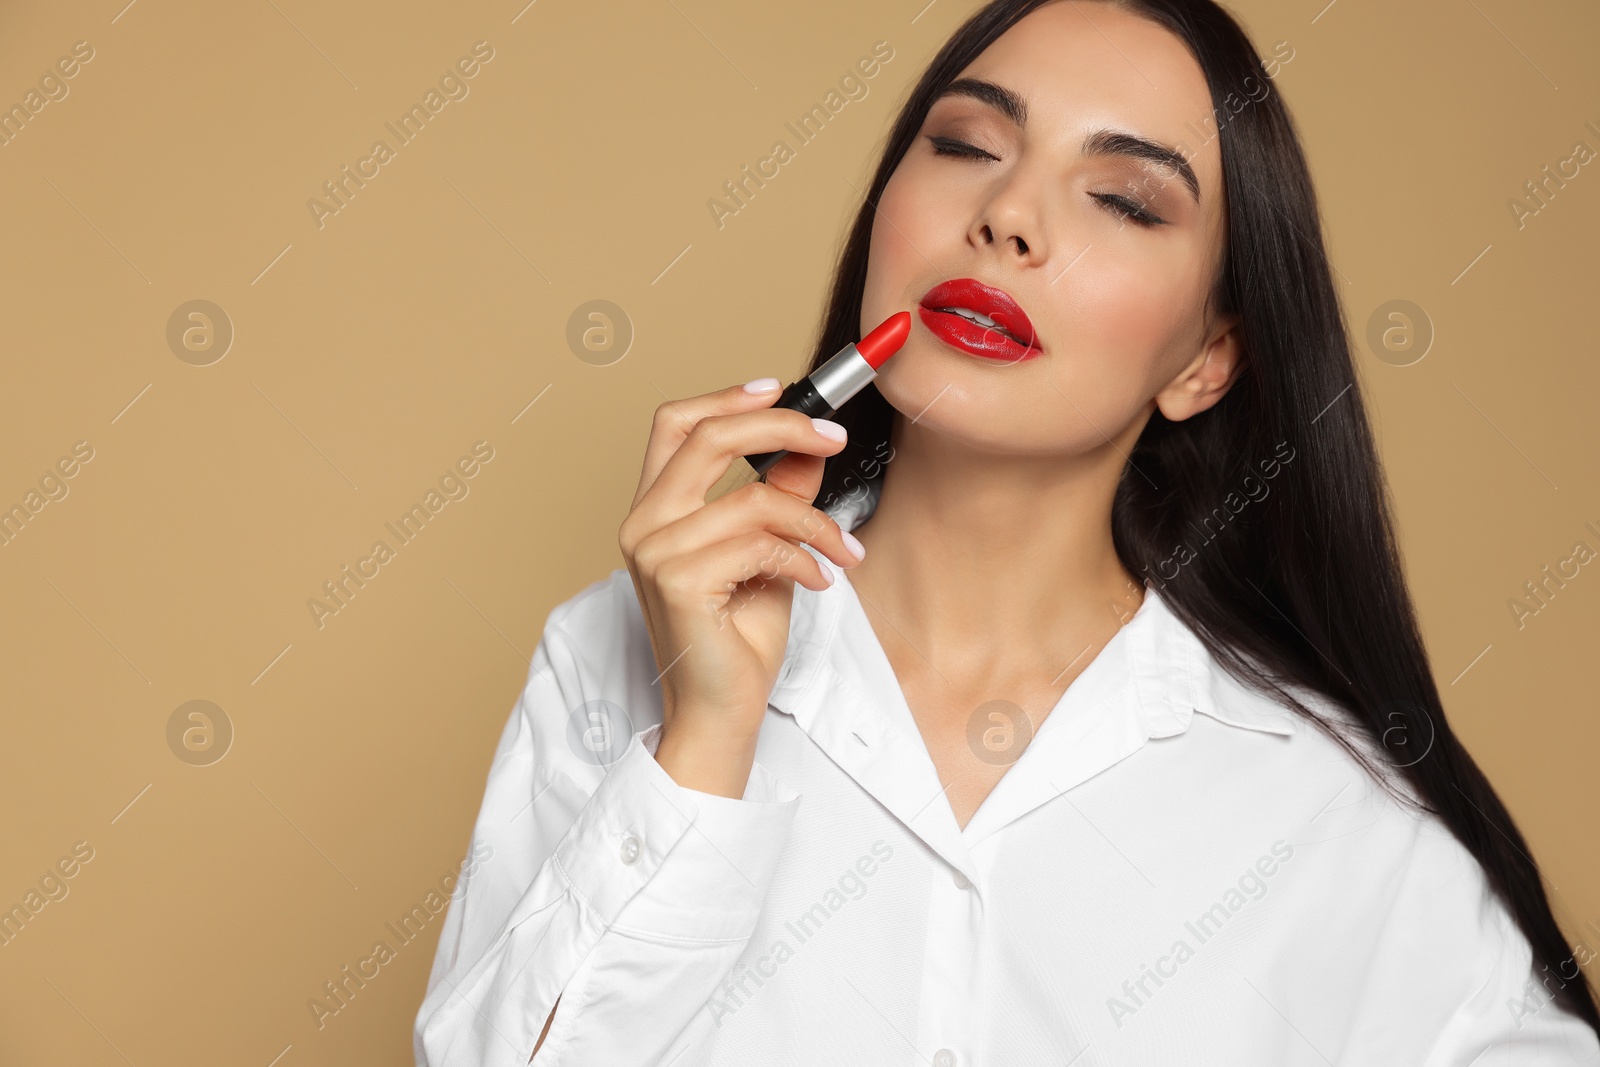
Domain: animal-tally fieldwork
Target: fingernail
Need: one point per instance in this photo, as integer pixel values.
(762, 385)
(857, 549)
(831, 430)
(827, 576)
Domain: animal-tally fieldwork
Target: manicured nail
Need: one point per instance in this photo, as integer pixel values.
(831, 430)
(827, 576)
(857, 549)
(762, 385)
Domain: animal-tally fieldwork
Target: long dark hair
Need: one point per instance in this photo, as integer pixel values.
(1303, 588)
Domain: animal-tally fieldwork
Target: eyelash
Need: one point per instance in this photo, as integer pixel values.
(1120, 206)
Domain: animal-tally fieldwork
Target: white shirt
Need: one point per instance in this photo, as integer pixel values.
(1176, 871)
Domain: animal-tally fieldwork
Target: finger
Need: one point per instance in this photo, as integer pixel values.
(755, 506)
(711, 574)
(675, 419)
(799, 475)
(716, 441)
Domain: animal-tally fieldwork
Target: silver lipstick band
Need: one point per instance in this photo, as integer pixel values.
(843, 376)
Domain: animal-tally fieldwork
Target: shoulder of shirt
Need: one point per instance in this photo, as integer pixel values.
(1395, 861)
(597, 612)
(1365, 820)
(1195, 681)
(598, 645)
(1314, 757)
(1380, 857)
(1315, 764)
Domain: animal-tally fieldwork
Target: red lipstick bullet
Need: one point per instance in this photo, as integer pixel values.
(825, 390)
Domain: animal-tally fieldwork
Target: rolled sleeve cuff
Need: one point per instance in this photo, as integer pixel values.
(656, 859)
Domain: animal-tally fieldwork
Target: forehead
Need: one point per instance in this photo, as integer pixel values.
(1086, 66)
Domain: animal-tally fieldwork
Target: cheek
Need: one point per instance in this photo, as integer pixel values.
(1125, 320)
(901, 246)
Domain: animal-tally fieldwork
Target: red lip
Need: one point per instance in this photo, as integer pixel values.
(1012, 341)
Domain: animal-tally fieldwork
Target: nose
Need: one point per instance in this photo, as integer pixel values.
(1012, 221)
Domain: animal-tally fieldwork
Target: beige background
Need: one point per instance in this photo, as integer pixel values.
(371, 352)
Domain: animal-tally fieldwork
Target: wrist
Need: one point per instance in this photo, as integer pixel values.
(719, 765)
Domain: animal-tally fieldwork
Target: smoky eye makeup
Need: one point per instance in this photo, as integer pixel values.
(1151, 186)
(1160, 194)
(1143, 193)
(974, 132)
(959, 146)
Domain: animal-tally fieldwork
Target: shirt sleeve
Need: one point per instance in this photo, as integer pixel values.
(623, 893)
(1513, 1019)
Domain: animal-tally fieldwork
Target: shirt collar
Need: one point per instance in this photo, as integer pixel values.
(1146, 682)
(1168, 670)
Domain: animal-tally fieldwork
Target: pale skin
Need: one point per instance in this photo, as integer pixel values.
(989, 571)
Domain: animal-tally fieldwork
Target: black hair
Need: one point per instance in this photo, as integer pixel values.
(1304, 588)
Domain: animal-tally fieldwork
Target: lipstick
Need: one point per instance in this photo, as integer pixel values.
(825, 390)
(979, 320)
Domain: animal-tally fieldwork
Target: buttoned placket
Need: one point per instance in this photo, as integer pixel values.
(897, 771)
(849, 702)
(837, 683)
(950, 966)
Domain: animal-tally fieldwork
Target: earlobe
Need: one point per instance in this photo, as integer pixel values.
(1204, 382)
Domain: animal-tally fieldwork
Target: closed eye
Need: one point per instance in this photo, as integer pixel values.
(1125, 208)
(1120, 206)
(949, 146)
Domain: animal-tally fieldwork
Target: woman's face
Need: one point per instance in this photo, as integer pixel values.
(1116, 307)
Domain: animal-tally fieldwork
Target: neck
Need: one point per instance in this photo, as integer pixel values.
(978, 559)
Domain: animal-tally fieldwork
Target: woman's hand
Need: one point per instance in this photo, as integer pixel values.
(716, 580)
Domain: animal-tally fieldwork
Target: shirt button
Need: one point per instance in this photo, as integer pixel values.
(962, 882)
(944, 1058)
(630, 850)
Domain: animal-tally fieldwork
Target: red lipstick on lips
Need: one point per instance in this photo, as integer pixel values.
(825, 390)
(1006, 337)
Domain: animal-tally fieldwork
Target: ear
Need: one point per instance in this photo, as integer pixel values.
(1207, 377)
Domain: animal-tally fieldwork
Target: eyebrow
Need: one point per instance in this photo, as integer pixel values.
(1102, 142)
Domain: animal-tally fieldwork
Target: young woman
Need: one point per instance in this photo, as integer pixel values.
(1061, 700)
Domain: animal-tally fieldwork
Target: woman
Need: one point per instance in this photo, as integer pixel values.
(1087, 720)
